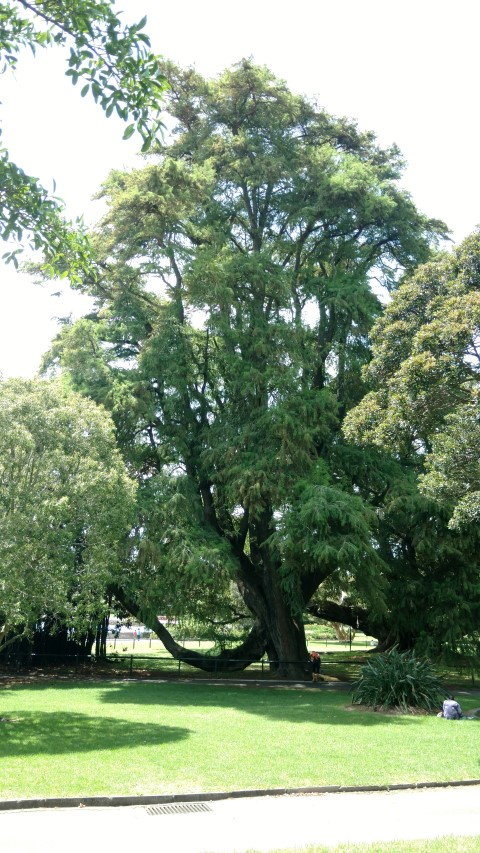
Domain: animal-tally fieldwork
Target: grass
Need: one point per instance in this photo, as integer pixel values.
(447, 844)
(139, 737)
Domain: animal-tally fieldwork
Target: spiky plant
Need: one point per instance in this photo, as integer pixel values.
(398, 680)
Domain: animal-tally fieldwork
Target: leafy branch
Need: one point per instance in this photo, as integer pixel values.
(118, 68)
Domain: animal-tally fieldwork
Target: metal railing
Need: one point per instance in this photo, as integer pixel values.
(162, 664)
(342, 666)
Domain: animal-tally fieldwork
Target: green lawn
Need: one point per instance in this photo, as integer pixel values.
(448, 844)
(135, 737)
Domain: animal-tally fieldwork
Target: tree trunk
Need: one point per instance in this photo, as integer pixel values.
(286, 635)
(285, 632)
(101, 638)
(262, 591)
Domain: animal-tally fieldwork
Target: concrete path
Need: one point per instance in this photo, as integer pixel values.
(253, 824)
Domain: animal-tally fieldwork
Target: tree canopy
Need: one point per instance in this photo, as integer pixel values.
(422, 408)
(114, 62)
(233, 312)
(66, 506)
(423, 377)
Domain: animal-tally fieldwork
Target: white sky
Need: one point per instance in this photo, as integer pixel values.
(407, 69)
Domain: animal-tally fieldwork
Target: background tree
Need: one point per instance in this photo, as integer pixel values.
(423, 408)
(116, 67)
(234, 307)
(66, 506)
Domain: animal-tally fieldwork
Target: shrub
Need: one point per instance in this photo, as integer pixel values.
(398, 680)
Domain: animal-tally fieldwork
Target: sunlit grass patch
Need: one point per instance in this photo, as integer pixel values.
(136, 737)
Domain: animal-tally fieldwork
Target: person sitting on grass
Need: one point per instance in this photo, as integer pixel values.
(451, 709)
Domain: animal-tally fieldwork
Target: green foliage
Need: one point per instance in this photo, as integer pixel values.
(398, 680)
(66, 505)
(423, 409)
(431, 571)
(181, 568)
(452, 469)
(214, 634)
(461, 844)
(424, 380)
(114, 62)
(330, 532)
(111, 58)
(232, 324)
(28, 215)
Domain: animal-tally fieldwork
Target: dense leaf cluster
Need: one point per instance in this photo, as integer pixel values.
(30, 216)
(66, 506)
(116, 65)
(424, 380)
(423, 409)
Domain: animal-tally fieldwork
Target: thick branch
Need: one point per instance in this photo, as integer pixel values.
(228, 660)
(356, 617)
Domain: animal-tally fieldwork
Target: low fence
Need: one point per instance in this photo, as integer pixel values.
(336, 666)
(343, 667)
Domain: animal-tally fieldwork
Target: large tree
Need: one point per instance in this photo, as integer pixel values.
(234, 307)
(422, 407)
(115, 65)
(66, 507)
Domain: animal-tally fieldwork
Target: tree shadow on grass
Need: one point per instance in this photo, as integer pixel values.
(54, 733)
(294, 706)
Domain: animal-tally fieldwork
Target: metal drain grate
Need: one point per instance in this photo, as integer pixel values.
(178, 808)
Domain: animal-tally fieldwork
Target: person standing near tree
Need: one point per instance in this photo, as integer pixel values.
(316, 661)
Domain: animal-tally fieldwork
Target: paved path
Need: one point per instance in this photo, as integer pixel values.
(255, 824)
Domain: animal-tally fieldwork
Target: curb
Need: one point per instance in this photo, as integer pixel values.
(212, 796)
